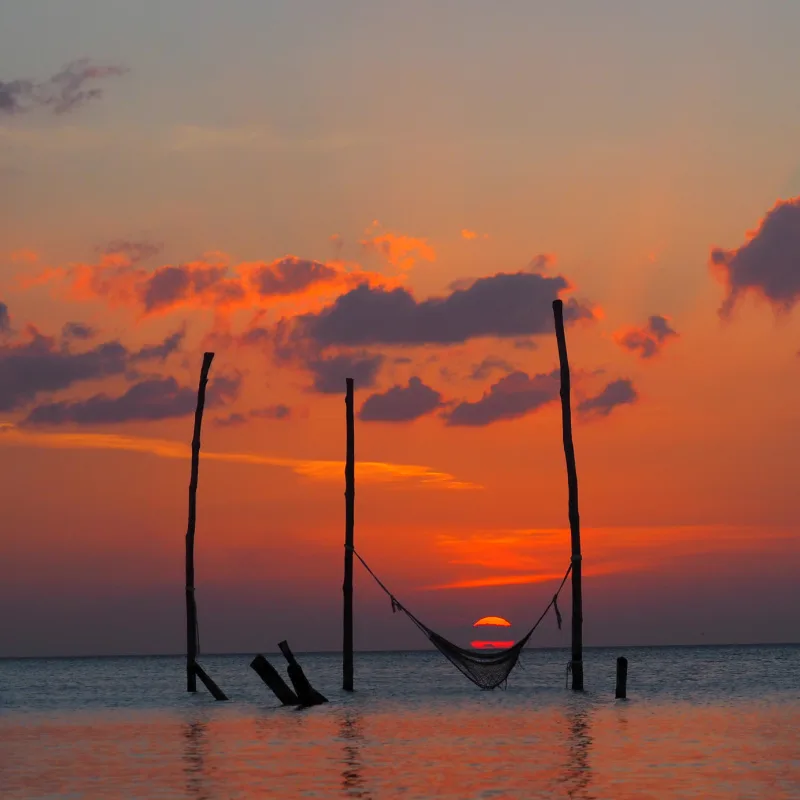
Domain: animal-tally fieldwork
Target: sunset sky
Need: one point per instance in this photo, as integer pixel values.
(396, 192)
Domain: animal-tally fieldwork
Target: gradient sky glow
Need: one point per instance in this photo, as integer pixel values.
(395, 191)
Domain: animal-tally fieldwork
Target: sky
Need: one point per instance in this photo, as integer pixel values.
(396, 193)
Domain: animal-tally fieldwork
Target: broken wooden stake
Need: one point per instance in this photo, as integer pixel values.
(212, 687)
(276, 683)
(193, 669)
(306, 693)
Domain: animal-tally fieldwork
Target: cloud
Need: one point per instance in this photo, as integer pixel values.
(767, 264)
(469, 235)
(149, 400)
(616, 393)
(77, 330)
(330, 373)
(511, 397)
(648, 340)
(65, 91)
(5, 319)
(211, 282)
(279, 411)
(503, 305)
(290, 275)
(489, 364)
(230, 420)
(313, 469)
(134, 250)
(162, 350)
(401, 403)
(400, 251)
(38, 365)
(24, 256)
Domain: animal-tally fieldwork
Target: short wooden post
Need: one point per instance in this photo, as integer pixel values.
(622, 678)
(272, 678)
(306, 693)
(191, 605)
(574, 518)
(349, 524)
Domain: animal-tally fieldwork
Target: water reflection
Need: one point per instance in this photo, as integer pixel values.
(350, 730)
(577, 774)
(195, 753)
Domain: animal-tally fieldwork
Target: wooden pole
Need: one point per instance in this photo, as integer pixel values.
(347, 588)
(191, 606)
(574, 518)
(622, 678)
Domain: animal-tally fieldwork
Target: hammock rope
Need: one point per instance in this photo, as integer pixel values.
(486, 670)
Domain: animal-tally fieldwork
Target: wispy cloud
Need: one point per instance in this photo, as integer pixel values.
(314, 469)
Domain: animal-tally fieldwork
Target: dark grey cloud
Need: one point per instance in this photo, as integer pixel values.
(40, 365)
(401, 360)
(77, 330)
(290, 275)
(490, 364)
(513, 396)
(135, 250)
(152, 399)
(401, 403)
(230, 420)
(330, 373)
(768, 263)
(148, 400)
(616, 393)
(648, 340)
(5, 319)
(162, 350)
(279, 411)
(170, 285)
(65, 91)
(503, 305)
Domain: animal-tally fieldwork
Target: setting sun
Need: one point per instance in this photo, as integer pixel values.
(492, 621)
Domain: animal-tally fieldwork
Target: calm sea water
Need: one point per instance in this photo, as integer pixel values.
(713, 722)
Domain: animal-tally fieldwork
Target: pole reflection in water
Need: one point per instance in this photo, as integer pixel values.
(195, 739)
(352, 773)
(578, 774)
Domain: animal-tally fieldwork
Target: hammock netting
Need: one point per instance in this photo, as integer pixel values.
(488, 670)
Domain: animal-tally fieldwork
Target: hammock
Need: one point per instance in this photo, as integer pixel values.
(486, 670)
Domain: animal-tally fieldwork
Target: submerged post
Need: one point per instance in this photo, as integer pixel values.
(349, 500)
(191, 606)
(574, 518)
(622, 678)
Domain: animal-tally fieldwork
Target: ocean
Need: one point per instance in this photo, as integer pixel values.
(700, 722)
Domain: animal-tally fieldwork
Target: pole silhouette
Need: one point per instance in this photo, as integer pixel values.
(191, 606)
(347, 588)
(574, 518)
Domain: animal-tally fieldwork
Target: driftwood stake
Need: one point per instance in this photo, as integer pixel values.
(574, 518)
(272, 678)
(347, 588)
(306, 693)
(191, 605)
(212, 687)
(622, 678)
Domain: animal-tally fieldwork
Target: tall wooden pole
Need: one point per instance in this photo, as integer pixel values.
(191, 606)
(349, 500)
(574, 517)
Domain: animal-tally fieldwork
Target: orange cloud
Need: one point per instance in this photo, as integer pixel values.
(213, 282)
(24, 256)
(399, 250)
(314, 469)
(469, 235)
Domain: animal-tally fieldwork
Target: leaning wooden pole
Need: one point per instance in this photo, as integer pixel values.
(574, 518)
(191, 606)
(349, 500)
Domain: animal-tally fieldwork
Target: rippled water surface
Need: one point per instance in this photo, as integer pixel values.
(700, 723)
